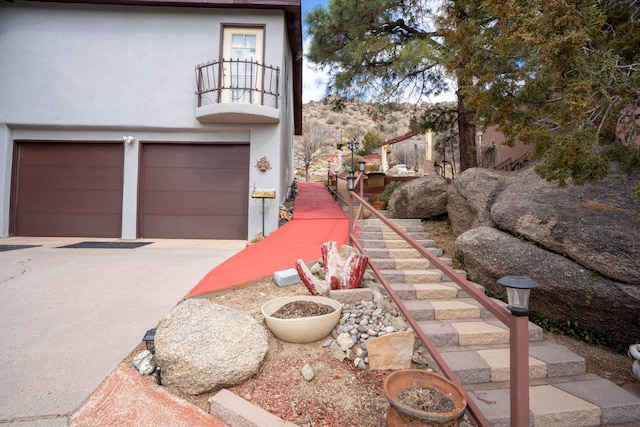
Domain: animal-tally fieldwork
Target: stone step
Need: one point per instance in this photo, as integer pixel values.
(464, 333)
(396, 221)
(427, 291)
(394, 244)
(585, 400)
(461, 273)
(399, 253)
(389, 235)
(412, 276)
(407, 263)
(464, 294)
(401, 263)
(445, 309)
(485, 364)
(387, 231)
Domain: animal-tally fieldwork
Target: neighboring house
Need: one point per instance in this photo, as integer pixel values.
(493, 153)
(109, 129)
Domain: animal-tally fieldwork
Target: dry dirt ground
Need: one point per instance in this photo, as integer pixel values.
(340, 394)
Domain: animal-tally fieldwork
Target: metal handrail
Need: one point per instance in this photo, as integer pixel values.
(238, 80)
(518, 326)
(512, 165)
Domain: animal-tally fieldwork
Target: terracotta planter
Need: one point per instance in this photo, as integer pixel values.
(380, 205)
(400, 414)
(303, 329)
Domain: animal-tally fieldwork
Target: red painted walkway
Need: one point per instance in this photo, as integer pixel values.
(317, 218)
(127, 399)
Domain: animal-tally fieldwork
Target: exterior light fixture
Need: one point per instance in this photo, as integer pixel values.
(518, 291)
(353, 146)
(351, 182)
(361, 164)
(149, 340)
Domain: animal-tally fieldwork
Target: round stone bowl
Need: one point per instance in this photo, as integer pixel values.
(303, 329)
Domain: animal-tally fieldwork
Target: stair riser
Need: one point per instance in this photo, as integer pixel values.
(431, 314)
(402, 264)
(394, 244)
(389, 235)
(454, 339)
(399, 253)
(412, 276)
(376, 228)
(395, 221)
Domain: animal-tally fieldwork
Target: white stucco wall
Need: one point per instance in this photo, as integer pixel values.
(89, 72)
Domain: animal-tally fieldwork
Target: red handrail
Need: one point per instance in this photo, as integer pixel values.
(518, 326)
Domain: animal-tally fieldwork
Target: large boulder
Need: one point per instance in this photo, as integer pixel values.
(597, 225)
(424, 197)
(567, 291)
(202, 346)
(471, 196)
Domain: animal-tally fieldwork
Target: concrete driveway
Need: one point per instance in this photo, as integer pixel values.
(69, 316)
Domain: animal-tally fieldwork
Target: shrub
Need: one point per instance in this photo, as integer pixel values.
(346, 162)
(388, 190)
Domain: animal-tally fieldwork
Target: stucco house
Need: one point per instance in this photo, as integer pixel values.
(147, 118)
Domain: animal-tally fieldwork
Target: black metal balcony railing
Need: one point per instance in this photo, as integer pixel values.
(232, 80)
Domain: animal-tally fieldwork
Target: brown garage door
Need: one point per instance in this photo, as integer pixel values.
(67, 189)
(194, 191)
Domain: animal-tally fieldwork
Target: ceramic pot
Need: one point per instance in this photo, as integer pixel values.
(380, 205)
(303, 329)
(400, 414)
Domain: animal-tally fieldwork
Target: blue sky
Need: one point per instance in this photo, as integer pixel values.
(307, 5)
(314, 83)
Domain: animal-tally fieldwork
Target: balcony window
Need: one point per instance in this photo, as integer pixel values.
(240, 76)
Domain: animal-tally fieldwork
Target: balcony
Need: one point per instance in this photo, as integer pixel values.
(237, 91)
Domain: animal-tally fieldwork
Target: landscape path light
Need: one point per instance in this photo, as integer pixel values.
(361, 165)
(149, 340)
(351, 182)
(518, 291)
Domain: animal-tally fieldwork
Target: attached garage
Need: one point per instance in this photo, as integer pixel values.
(67, 189)
(194, 191)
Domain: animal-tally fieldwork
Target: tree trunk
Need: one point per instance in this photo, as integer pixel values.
(467, 132)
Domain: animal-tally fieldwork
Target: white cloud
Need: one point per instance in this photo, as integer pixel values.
(314, 83)
(449, 96)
